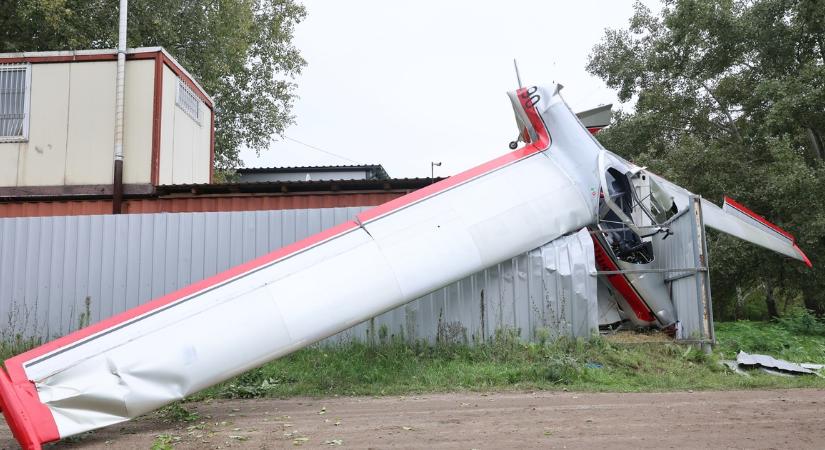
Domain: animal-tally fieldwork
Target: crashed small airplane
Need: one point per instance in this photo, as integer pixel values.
(560, 181)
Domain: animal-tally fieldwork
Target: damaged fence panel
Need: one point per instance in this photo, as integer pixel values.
(546, 293)
(168, 251)
(690, 288)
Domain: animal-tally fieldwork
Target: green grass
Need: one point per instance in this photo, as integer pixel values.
(10, 346)
(597, 365)
(777, 340)
(506, 364)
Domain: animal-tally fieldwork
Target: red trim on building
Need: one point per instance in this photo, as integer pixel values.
(113, 57)
(212, 149)
(157, 109)
(189, 82)
(75, 58)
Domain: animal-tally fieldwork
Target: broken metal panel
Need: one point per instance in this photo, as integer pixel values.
(609, 312)
(598, 117)
(771, 363)
(702, 276)
(689, 289)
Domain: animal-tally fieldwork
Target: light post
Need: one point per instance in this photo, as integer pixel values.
(432, 169)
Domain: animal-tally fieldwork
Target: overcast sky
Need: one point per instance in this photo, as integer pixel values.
(406, 83)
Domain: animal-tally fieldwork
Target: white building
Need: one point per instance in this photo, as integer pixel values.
(57, 121)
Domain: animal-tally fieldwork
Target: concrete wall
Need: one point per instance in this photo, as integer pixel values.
(71, 128)
(185, 144)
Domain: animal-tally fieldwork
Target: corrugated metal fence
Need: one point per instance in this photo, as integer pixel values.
(689, 289)
(60, 273)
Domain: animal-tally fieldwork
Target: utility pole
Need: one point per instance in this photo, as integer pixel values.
(117, 181)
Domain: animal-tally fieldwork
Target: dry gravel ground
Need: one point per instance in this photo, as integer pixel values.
(732, 419)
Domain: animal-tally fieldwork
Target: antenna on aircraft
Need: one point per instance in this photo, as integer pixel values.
(514, 144)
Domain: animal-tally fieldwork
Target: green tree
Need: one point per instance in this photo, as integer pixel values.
(241, 51)
(728, 98)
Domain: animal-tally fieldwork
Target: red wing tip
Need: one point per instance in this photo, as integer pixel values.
(803, 255)
(21, 427)
(747, 211)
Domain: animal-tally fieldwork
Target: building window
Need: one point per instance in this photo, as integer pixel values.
(15, 86)
(188, 101)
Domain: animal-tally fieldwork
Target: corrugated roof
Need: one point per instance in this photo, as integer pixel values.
(221, 197)
(304, 168)
(377, 170)
(200, 203)
(298, 186)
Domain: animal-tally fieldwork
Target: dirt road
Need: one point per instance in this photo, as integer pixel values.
(740, 419)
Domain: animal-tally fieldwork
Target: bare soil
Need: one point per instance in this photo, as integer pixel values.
(730, 419)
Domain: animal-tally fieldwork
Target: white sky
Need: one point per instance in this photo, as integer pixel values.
(406, 83)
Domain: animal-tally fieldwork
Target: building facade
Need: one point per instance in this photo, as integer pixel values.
(57, 121)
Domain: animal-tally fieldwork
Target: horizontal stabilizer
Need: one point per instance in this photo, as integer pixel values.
(735, 209)
(597, 118)
(737, 220)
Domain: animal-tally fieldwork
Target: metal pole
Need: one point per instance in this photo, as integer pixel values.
(117, 182)
(432, 169)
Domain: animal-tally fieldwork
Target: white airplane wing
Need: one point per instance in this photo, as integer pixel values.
(217, 328)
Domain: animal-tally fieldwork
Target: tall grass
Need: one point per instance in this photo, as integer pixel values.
(798, 338)
(395, 367)
(596, 365)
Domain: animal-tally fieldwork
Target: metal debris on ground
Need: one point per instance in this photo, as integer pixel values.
(771, 365)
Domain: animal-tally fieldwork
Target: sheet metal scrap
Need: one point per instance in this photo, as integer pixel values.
(771, 365)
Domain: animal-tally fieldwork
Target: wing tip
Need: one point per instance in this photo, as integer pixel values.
(742, 208)
(803, 255)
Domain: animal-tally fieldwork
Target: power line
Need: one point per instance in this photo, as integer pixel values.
(320, 149)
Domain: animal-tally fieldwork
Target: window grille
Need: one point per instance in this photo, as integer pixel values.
(188, 101)
(15, 81)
